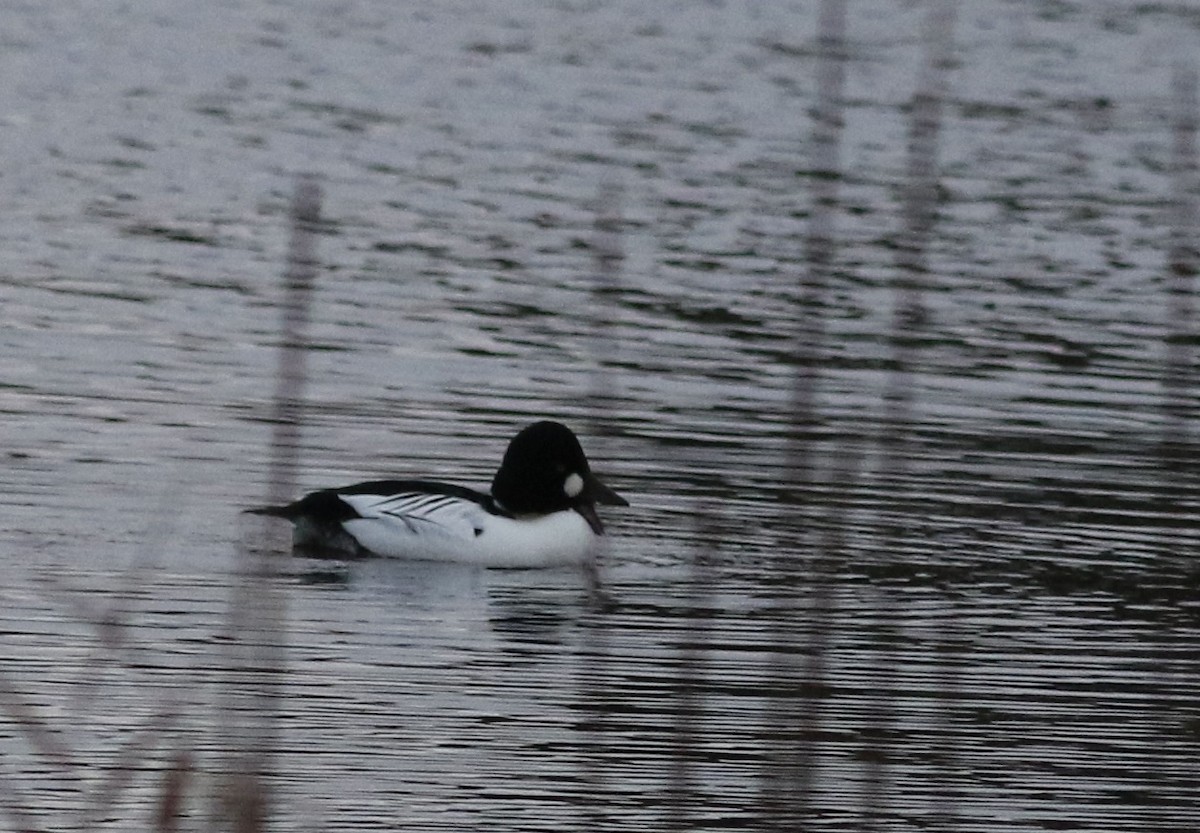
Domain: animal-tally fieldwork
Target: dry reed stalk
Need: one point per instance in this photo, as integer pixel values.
(919, 208)
(1183, 260)
(591, 684)
(257, 614)
(790, 753)
(175, 783)
(684, 789)
(607, 257)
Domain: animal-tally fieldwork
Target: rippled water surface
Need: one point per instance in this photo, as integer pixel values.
(983, 616)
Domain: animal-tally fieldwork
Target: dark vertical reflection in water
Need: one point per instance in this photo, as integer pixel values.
(256, 617)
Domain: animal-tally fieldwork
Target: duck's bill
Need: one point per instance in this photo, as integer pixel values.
(588, 510)
(599, 493)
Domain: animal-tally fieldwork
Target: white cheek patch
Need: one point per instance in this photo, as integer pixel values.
(573, 485)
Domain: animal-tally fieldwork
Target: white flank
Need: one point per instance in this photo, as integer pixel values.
(445, 528)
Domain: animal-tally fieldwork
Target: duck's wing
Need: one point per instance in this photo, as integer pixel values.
(418, 508)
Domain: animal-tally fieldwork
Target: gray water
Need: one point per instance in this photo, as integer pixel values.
(991, 625)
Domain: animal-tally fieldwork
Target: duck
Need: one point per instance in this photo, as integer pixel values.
(539, 512)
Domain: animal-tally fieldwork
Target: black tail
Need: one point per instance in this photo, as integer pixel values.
(273, 511)
(322, 506)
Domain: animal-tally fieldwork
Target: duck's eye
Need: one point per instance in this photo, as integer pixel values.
(573, 485)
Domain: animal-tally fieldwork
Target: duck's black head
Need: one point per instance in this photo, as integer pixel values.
(544, 470)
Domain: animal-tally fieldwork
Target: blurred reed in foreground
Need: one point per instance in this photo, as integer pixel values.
(910, 322)
(798, 623)
(1177, 445)
(257, 610)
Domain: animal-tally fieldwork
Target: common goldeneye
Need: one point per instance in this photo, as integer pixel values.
(541, 511)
